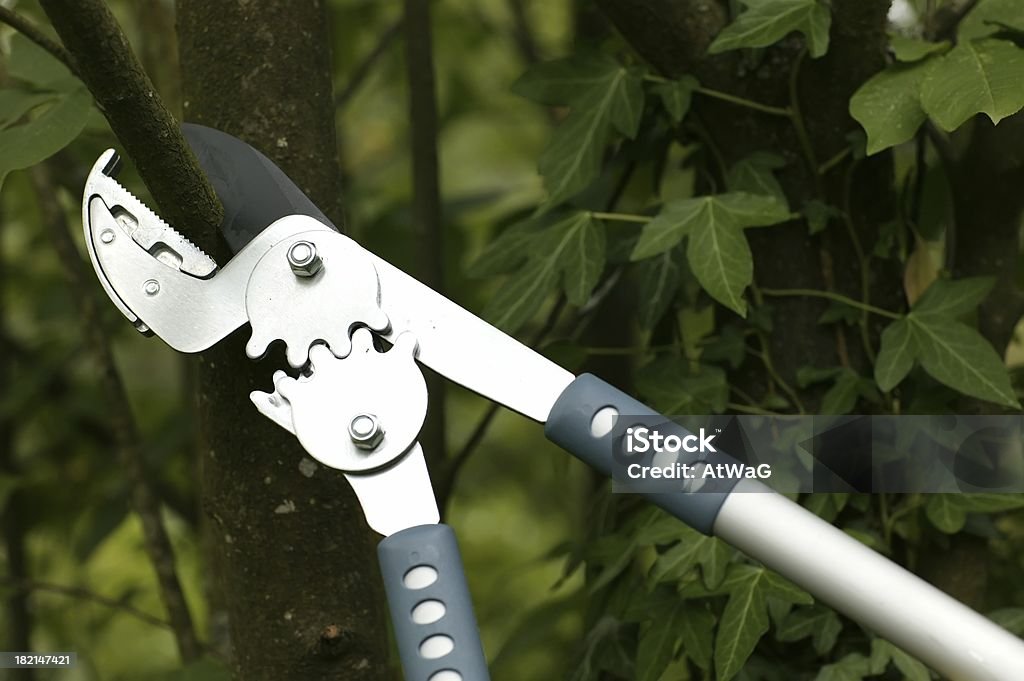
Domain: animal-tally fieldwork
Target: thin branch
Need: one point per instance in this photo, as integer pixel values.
(944, 22)
(838, 297)
(32, 32)
(428, 232)
(800, 126)
(126, 435)
(621, 217)
(81, 593)
(523, 32)
(831, 163)
(742, 101)
(138, 117)
(732, 99)
(948, 159)
(365, 67)
(480, 430)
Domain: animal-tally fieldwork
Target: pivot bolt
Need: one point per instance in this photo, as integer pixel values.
(303, 259)
(365, 431)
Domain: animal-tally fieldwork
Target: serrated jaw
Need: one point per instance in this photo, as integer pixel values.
(144, 226)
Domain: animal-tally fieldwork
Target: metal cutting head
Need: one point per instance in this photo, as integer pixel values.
(301, 282)
(164, 284)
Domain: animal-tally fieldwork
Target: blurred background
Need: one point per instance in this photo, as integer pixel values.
(563, 588)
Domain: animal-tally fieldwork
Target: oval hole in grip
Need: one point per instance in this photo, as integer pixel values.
(436, 646)
(446, 675)
(419, 577)
(428, 612)
(603, 421)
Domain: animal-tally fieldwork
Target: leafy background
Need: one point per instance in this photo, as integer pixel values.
(597, 206)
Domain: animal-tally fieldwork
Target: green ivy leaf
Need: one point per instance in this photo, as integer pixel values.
(572, 158)
(658, 639)
(818, 214)
(506, 252)
(730, 347)
(953, 298)
(951, 352)
(745, 618)
(572, 250)
(821, 625)
(908, 49)
(694, 549)
(717, 251)
(657, 527)
(990, 503)
(852, 667)
(896, 355)
(1011, 619)
(657, 283)
(36, 140)
(674, 387)
(888, 105)
(677, 562)
(981, 76)
(840, 312)
(826, 506)
(945, 513)
(720, 258)
(958, 356)
(15, 103)
(677, 96)
(767, 21)
(522, 295)
(584, 250)
(714, 560)
(33, 64)
(842, 396)
(911, 669)
(989, 17)
(696, 630)
(755, 174)
(744, 622)
(565, 81)
(668, 227)
(809, 375)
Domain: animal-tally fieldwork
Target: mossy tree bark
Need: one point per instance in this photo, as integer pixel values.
(295, 558)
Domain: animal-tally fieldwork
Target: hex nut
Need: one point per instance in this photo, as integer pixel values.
(365, 431)
(303, 259)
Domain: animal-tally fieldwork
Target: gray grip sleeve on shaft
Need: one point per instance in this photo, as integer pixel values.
(431, 609)
(568, 426)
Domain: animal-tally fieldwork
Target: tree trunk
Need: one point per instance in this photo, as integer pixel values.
(294, 555)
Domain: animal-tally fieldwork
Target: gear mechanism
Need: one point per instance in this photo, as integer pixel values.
(343, 292)
(332, 407)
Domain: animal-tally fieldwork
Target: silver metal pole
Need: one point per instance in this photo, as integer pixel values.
(896, 604)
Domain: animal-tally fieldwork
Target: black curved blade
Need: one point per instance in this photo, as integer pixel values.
(254, 191)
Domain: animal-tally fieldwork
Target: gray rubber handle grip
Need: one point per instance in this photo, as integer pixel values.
(431, 610)
(568, 426)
